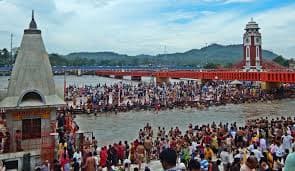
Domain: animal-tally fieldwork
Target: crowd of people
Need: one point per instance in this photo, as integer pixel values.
(122, 97)
(261, 144)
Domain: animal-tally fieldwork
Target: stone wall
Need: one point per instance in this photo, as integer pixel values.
(3, 93)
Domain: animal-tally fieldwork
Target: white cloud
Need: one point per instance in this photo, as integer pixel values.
(237, 1)
(145, 26)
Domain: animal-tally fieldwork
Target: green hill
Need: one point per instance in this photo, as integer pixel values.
(214, 53)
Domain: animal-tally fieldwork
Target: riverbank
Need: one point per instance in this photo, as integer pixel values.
(256, 138)
(110, 128)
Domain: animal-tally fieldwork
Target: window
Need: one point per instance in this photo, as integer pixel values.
(247, 52)
(31, 128)
(257, 52)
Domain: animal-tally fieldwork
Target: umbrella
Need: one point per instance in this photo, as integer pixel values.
(236, 82)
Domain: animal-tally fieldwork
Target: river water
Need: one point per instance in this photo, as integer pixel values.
(109, 128)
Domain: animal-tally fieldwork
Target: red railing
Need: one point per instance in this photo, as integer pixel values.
(286, 76)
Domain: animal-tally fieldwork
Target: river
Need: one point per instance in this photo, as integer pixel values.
(109, 128)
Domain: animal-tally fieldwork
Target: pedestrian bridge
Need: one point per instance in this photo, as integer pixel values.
(275, 76)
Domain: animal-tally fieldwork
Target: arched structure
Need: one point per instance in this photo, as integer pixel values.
(31, 96)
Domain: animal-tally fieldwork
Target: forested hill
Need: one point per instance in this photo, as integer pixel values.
(215, 53)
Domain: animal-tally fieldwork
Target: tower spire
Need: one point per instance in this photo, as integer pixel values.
(32, 14)
(33, 24)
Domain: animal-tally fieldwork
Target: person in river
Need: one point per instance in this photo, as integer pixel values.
(140, 154)
(127, 150)
(103, 156)
(121, 152)
(148, 145)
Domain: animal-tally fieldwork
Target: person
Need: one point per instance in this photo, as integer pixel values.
(236, 165)
(181, 166)
(56, 165)
(290, 162)
(250, 165)
(121, 152)
(65, 163)
(75, 165)
(194, 165)
(140, 154)
(204, 163)
(277, 165)
(2, 166)
(96, 159)
(127, 150)
(90, 163)
(146, 168)
(224, 155)
(127, 164)
(208, 152)
(279, 152)
(264, 165)
(168, 159)
(45, 166)
(257, 153)
(287, 141)
(262, 144)
(148, 144)
(132, 153)
(109, 166)
(78, 156)
(103, 156)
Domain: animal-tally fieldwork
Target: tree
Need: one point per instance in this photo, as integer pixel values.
(4, 57)
(58, 60)
(211, 66)
(281, 60)
(228, 65)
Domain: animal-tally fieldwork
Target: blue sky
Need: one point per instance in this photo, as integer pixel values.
(146, 26)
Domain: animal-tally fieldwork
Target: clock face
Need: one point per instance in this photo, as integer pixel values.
(257, 40)
(247, 40)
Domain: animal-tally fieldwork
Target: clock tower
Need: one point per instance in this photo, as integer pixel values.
(252, 47)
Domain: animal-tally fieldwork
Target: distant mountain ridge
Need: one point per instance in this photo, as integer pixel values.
(214, 53)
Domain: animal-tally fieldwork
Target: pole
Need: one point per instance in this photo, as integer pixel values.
(65, 84)
(165, 57)
(11, 57)
(206, 54)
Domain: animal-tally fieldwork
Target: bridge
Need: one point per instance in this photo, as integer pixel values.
(272, 78)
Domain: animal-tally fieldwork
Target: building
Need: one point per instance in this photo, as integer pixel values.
(29, 105)
(252, 47)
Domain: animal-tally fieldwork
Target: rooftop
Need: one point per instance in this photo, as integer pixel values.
(252, 25)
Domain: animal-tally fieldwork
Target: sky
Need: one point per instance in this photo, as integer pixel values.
(148, 26)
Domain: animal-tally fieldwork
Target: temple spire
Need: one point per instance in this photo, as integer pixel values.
(33, 24)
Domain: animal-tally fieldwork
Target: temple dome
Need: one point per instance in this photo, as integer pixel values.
(31, 79)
